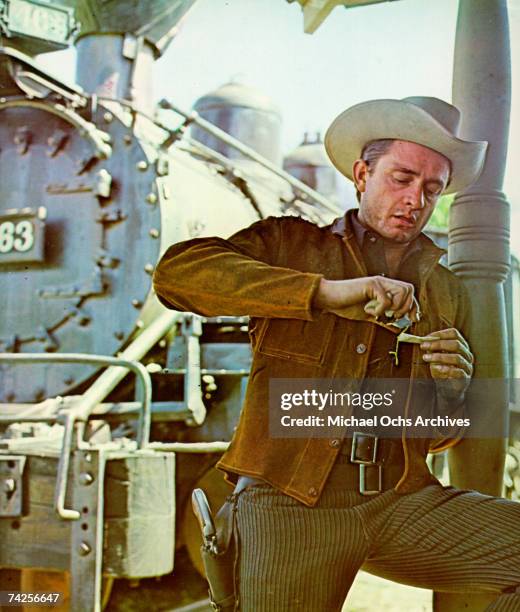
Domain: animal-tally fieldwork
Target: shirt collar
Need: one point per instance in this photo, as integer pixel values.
(361, 233)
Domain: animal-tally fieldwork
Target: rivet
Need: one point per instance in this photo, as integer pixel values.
(162, 343)
(86, 478)
(142, 165)
(361, 348)
(84, 549)
(127, 139)
(119, 335)
(9, 485)
(151, 198)
(154, 233)
(139, 324)
(137, 303)
(149, 268)
(108, 117)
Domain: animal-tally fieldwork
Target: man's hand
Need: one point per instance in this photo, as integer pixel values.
(390, 294)
(451, 363)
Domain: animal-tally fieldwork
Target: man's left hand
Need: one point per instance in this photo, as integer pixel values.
(451, 362)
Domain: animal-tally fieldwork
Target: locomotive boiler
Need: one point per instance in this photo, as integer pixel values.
(96, 464)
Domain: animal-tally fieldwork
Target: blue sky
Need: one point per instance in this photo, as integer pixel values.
(389, 50)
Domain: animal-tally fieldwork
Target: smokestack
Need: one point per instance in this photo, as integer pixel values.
(118, 43)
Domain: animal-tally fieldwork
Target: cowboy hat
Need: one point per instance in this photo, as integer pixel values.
(430, 122)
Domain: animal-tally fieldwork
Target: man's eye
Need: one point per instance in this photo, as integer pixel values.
(432, 193)
(402, 180)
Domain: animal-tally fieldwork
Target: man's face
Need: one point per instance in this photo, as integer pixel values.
(399, 194)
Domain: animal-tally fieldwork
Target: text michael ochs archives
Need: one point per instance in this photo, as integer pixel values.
(325, 408)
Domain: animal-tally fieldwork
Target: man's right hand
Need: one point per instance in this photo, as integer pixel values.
(390, 294)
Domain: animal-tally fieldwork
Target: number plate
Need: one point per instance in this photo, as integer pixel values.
(22, 235)
(37, 19)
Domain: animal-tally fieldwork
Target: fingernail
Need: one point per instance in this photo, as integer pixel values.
(427, 356)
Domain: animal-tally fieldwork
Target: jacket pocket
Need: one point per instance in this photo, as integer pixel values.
(296, 340)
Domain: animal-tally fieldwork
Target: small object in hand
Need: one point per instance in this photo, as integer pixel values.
(404, 337)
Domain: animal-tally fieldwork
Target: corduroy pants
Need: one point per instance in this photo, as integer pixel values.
(298, 559)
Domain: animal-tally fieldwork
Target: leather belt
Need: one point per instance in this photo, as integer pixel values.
(365, 464)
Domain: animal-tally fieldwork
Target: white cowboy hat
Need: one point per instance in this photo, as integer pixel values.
(430, 122)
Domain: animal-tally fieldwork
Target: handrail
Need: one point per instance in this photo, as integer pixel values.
(82, 409)
(194, 117)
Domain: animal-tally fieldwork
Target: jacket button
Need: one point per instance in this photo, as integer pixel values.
(313, 492)
(334, 443)
(361, 348)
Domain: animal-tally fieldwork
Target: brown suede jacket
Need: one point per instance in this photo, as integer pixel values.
(271, 271)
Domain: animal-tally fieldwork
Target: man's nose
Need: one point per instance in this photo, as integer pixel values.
(415, 196)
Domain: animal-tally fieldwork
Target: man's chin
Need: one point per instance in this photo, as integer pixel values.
(402, 236)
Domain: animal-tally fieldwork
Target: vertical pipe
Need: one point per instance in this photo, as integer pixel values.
(116, 66)
(479, 246)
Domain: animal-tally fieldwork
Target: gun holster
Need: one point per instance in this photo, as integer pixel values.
(218, 550)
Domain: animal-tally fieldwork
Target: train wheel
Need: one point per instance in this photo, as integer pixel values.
(216, 489)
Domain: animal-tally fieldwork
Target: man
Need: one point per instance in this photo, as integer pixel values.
(312, 510)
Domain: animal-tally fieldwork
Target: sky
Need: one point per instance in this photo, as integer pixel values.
(387, 50)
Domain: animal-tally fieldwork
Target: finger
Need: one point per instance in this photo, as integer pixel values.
(406, 302)
(401, 295)
(448, 346)
(449, 359)
(451, 334)
(380, 303)
(446, 372)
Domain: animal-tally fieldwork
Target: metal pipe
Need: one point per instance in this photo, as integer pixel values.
(190, 447)
(85, 403)
(133, 352)
(194, 117)
(63, 471)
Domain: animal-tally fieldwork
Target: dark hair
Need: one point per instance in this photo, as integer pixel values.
(371, 153)
(375, 149)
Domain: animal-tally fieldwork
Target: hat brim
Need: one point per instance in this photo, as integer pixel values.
(401, 120)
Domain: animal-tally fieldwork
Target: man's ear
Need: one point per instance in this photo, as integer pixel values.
(359, 174)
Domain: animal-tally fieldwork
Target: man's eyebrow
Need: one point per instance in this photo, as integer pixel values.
(414, 173)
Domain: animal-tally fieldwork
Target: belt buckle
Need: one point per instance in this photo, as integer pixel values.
(357, 437)
(362, 479)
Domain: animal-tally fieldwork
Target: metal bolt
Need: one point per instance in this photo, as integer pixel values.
(149, 268)
(154, 233)
(9, 485)
(119, 335)
(88, 458)
(151, 198)
(142, 165)
(86, 478)
(84, 549)
(162, 343)
(127, 139)
(139, 324)
(108, 117)
(137, 303)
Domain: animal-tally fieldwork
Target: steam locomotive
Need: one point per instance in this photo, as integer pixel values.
(96, 463)
(114, 409)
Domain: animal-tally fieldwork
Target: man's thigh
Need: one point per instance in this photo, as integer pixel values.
(292, 557)
(448, 540)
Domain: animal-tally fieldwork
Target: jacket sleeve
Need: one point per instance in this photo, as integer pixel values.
(238, 276)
